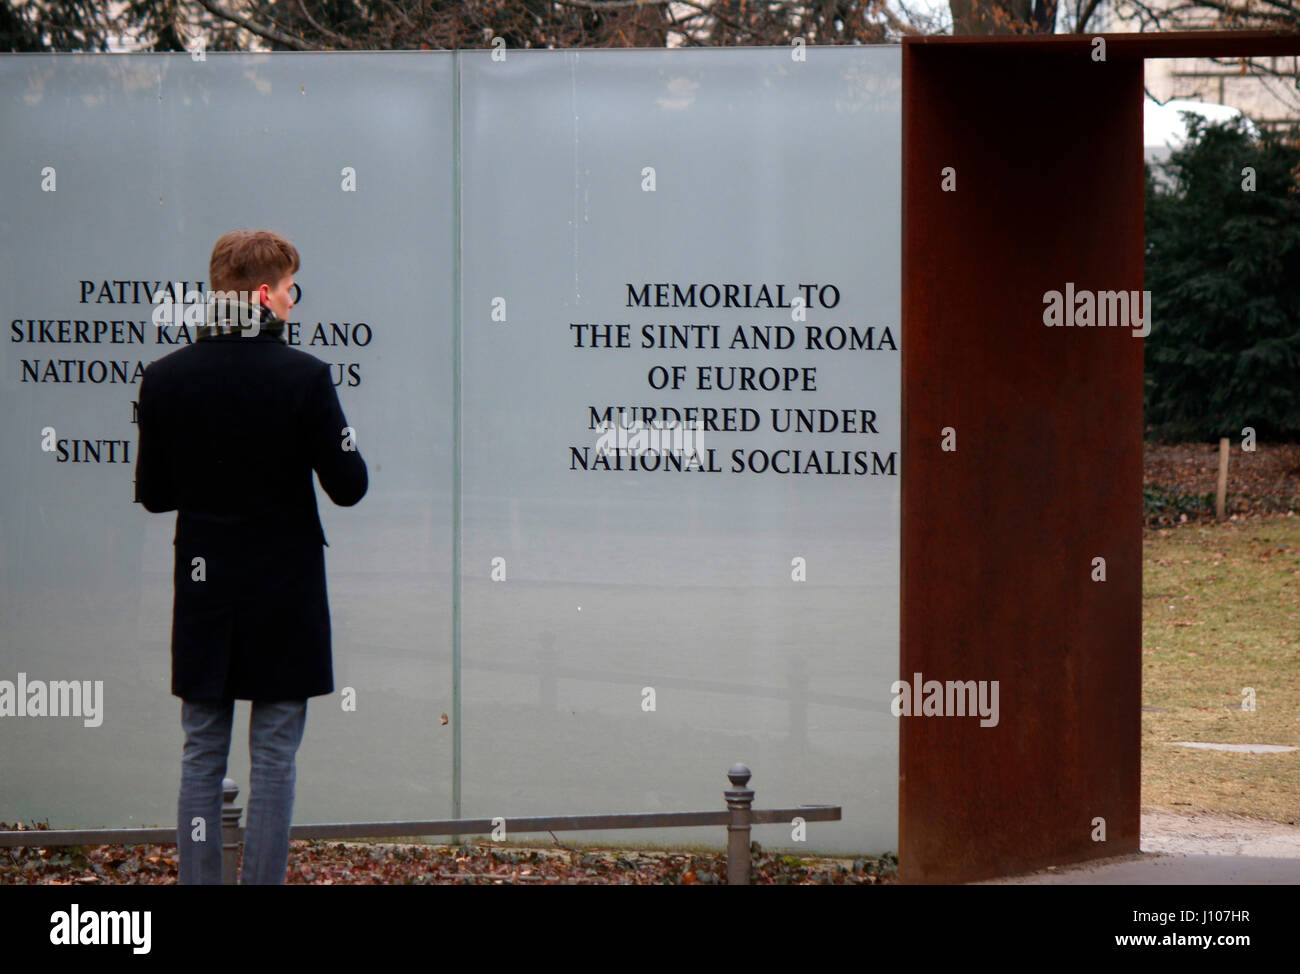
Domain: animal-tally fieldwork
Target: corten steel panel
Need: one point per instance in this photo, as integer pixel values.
(998, 537)
(1174, 44)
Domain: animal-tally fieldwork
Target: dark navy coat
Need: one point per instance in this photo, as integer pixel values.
(230, 429)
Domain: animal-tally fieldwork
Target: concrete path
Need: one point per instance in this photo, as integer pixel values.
(1189, 849)
(1166, 870)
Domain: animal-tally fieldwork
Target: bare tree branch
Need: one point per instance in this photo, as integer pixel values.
(1085, 14)
(268, 33)
(399, 11)
(324, 30)
(611, 4)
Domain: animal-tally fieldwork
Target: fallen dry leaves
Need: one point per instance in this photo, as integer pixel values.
(1179, 481)
(325, 863)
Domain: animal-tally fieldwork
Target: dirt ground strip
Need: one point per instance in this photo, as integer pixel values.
(332, 863)
(357, 863)
(1179, 481)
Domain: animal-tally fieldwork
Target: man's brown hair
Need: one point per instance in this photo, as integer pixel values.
(243, 260)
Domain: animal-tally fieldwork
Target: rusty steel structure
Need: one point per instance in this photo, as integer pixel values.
(1022, 444)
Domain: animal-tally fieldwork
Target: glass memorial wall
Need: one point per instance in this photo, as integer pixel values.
(118, 174)
(665, 285)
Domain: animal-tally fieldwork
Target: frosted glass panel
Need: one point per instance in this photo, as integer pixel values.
(638, 228)
(118, 173)
(706, 237)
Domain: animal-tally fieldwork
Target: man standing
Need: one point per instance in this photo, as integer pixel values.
(231, 428)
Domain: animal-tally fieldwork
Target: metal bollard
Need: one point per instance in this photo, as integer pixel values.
(740, 802)
(230, 813)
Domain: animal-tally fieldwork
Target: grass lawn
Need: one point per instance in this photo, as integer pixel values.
(1221, 612)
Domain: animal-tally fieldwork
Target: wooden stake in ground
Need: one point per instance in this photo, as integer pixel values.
(1222, 493)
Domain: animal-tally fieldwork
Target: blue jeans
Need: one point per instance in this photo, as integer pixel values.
(274, 733)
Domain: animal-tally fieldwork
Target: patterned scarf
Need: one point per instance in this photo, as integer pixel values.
(239, 317)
